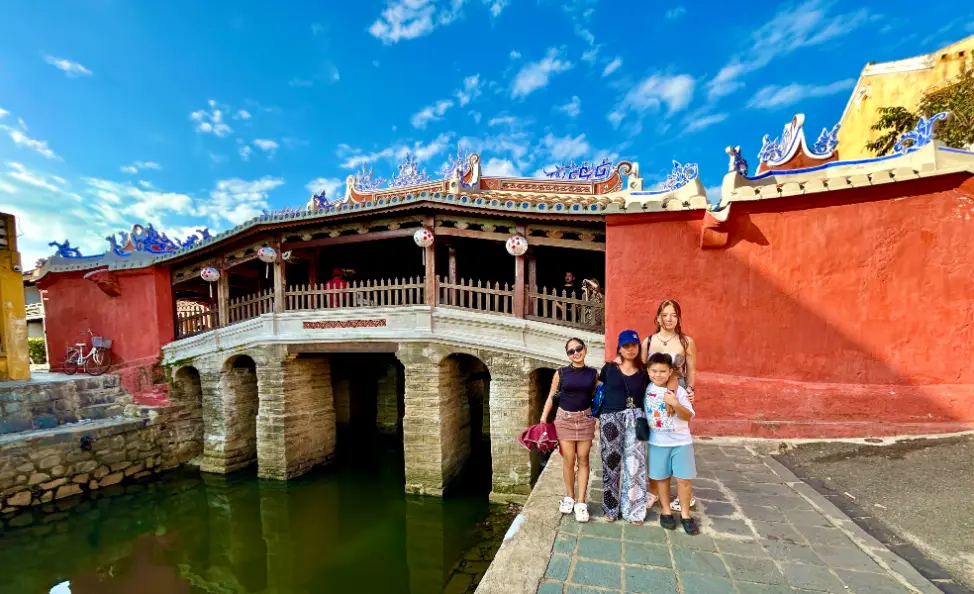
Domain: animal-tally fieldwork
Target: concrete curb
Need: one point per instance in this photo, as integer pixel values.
(521, 562)
(904, 560)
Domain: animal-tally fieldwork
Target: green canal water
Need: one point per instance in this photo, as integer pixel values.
(345, 529)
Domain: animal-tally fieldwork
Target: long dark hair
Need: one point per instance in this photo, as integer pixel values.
(638, 361)
(578, 340)
(679, 321)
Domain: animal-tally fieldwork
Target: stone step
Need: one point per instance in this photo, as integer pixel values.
(100, 411)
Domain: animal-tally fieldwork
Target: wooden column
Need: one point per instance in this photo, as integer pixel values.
(532, 281)
(452, 275)
(222, 294)
(313, 267)
(279, 282)
(520, 293)
(430, 265)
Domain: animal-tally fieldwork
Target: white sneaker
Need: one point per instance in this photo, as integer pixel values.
(567, 505)
(675, 504)
(581, 512)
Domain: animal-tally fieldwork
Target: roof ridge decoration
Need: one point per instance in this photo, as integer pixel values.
(783, 152)
(921, 134)
(571, 171)
(409, 173)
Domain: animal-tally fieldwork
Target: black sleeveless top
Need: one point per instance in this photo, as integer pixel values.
(577, 388)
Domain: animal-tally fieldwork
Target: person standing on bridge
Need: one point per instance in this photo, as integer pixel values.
(574, 386)
(623, 453)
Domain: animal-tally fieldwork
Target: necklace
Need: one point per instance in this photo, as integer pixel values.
(665, 341)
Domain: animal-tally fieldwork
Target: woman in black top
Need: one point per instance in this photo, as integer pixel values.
(574, 385)
(623, 456)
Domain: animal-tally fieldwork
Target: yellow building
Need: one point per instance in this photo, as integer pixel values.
(900, 83)
(14, 359)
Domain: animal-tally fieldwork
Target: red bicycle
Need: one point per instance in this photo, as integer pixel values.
(95, 362)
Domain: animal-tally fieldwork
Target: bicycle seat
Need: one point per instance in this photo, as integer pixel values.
(80, 344)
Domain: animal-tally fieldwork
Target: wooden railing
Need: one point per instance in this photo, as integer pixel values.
(549, 306)
(465, 294)
(373, 293)
(195, 319)
(566, 309)
(250, 306)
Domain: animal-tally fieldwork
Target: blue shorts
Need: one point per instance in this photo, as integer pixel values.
(677, 461)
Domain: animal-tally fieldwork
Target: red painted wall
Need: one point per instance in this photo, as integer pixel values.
(139, 321)
(846, 313)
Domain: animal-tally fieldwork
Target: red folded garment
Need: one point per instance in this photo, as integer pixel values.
(540, 438)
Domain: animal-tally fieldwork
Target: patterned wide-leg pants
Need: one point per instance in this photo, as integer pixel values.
(623, 466)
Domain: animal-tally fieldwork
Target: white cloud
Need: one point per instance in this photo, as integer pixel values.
(242, 114)
(7, 188)
(515, 54)
(612, 66)
(145, 184)
(430, 113)
(591, 55)
(267, 145)
(704, 121)
(792, 28)
(472, 88)
(137, 166)
(353, 158)
(237, 200)
(503, 120)
(3, 113)
(211, 122)
(23, 175)
(565, 148)
(476, 115)
(652, 93)
(572, 109)
(293, 143)
(39, 146)
(333, 187)
(245, 152)
(774, 96)
(536, 75)
(70, 69)
(217, 158)
(411, 19)
(501, 168)
(335, 75)
(22, 124)
(676, 12)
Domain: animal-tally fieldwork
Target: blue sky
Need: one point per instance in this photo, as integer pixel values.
(202, 114)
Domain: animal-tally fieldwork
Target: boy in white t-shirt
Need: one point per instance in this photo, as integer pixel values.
(670, 443)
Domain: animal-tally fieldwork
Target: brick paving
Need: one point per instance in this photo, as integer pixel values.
(762, 532)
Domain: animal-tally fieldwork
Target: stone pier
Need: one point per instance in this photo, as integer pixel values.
(511, 409)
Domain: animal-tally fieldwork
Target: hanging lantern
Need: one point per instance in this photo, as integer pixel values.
(517, 245)
(210, 275)
(423, 238)
(267, 255)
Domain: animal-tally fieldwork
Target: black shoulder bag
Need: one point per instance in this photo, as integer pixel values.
(642, 425)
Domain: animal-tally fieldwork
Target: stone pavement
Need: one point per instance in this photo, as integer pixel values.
(762, 531)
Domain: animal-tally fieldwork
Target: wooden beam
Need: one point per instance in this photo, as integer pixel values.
(358, 237)
(520, 294)
(279, 282)
(431, 297)
(547, 241)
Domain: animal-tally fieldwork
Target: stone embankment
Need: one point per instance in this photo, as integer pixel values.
(81, 455)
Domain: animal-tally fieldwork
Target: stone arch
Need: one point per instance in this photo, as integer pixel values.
(238, 388)
(186, 395)
(539, 385)
(465, 418)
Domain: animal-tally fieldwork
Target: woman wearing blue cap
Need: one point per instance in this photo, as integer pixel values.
(623, 453)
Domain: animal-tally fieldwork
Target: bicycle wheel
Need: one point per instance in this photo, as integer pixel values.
(72, 360)
(99, 361)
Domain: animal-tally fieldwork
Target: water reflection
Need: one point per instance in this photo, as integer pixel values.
(349, 529)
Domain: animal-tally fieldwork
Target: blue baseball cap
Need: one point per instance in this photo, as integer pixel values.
(628, 337)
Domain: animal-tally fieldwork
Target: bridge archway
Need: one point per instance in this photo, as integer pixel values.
(238, 386)
(464, 395)
(186, 394)
(540, 385)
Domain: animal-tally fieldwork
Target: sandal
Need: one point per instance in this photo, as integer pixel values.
(567, 505)
(668, 522)
(651, 500)
(675, 504)
(581, 513)
(690, 526)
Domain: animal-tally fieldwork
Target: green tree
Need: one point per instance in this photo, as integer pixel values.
(957, 131)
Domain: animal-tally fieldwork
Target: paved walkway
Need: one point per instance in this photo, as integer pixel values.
(762, 531)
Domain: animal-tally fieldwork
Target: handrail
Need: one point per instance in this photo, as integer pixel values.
(371, 293)
(566, 309)
(195, 319)
(464, 294)
(35, 310)
(250, 306)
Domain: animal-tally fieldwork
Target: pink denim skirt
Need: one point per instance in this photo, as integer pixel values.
(575, 426)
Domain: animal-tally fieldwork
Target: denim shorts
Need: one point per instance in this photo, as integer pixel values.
(667, 461)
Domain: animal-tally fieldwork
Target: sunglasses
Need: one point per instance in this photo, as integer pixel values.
(573, 351)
